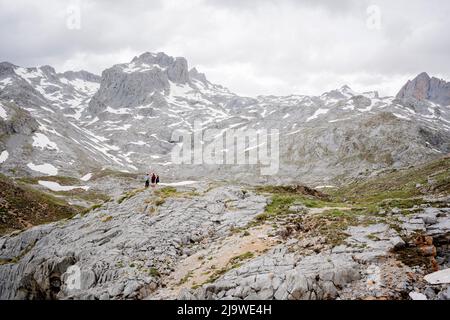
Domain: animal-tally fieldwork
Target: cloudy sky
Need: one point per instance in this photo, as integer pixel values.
(251, 46)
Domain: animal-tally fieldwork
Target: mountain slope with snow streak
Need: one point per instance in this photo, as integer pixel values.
(124, 120)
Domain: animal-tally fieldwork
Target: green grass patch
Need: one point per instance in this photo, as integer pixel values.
(281, 202)
(335, 213)
(130, 194)
(333, 223)
(402, 203)
(92, 208)
(166, 192)
(31, 205)
(433, 177)
(233, 263)
(161, 195)
(159, 201)
(242, 257)
(63, 180)
(293, 190)
(186, 278)
(171, 192)
(154, 272)
(88, 196)
(113, 173)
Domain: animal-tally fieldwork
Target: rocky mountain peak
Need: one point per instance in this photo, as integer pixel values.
(178, 71)
(159, 58)
(346, 90)
(83, 75)
(6, 68)
(48, 69)
(135, 83)
(424, 87)
(423, 76)
(176, 68)
(343, 92)
(194, 74)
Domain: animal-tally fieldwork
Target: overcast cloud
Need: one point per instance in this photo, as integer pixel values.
(252, 47)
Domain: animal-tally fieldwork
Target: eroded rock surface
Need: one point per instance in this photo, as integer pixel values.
(121, 250)
(366, 266)
(210, 243)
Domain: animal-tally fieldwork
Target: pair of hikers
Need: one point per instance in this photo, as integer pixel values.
(153, 179)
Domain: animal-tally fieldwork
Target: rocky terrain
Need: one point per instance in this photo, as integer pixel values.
(359, 208)
(382, 238)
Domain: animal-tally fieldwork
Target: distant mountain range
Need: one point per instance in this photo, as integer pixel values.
(76, 222)
(74, 123)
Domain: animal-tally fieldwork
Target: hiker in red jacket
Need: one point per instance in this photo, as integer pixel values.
(153, 179)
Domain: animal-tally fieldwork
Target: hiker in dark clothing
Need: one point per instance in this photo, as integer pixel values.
(147, 180)
(157, 179)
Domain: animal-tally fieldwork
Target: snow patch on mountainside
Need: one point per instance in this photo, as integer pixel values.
(138, 143)
(47, 109)
(400, 116)
(179, 89)
(118, 111)
(43, 142)
(143, 67)
(86, 177)
(55, 186)
(45, 128)
(5, 82)
(86, 87)
(317, 113)
(27, 75)
(45, 168)
(3, 156)
(3, 113)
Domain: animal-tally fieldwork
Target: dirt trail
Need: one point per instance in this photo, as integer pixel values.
(199, 267)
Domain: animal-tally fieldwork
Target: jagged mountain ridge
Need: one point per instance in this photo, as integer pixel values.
(124, 120)
(426, 87)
